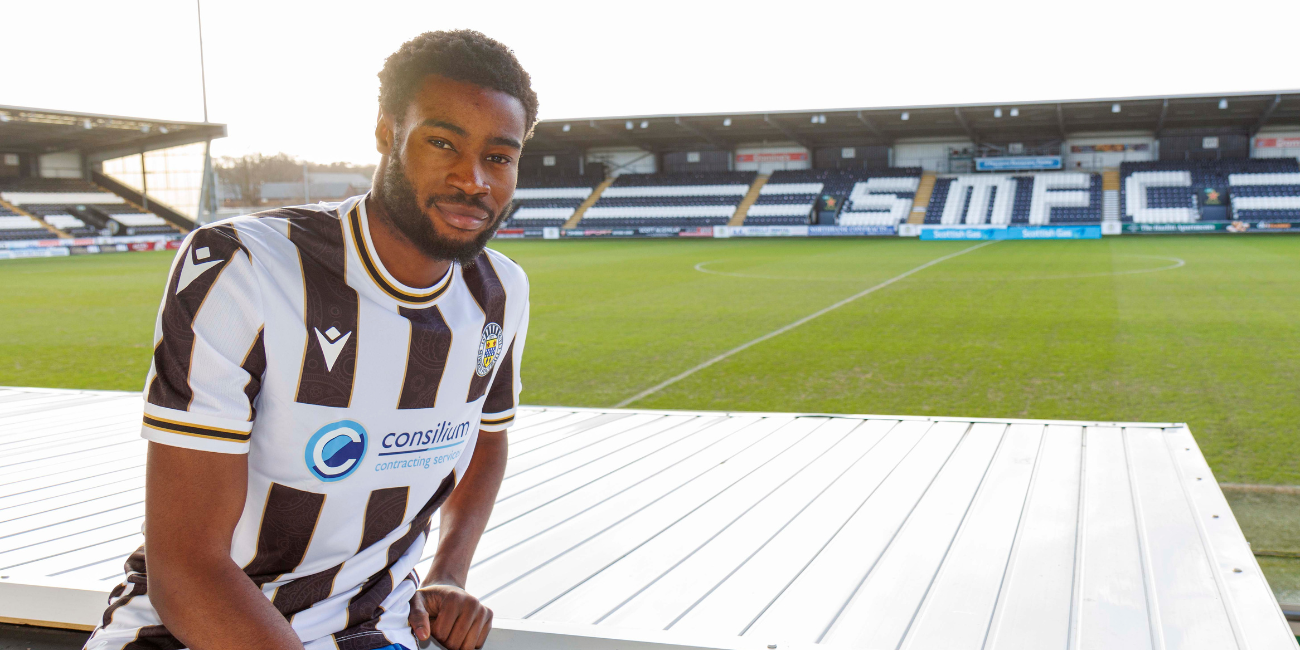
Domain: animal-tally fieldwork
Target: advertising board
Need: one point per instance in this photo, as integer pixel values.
(967, 233)
(1017, 163)
(852, 231)
(1211, 227)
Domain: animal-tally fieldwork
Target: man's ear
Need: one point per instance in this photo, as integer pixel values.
(384, 133)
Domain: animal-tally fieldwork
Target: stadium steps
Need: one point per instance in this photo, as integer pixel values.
(57, 233)
(588, 202)
(1110, 179)
(922, 200)
(751, 197)
(1110, 195)
(134, 198)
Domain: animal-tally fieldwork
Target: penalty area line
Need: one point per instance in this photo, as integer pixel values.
(777, 332)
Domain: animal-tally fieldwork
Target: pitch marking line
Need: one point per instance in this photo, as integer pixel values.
(777, 332)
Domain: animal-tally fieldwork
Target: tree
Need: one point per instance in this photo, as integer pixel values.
(247, 173)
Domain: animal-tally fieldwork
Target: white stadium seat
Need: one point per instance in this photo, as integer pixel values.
(1266, 203)
(982, 190)
(1040, 209)
(526, 213)
(874, 202)
(660, 212)
(674, 190)
(61, 198)
(19, 222)
(1136, 200)
(780, 210)
(64, 221)
(790, 188)
(137, 220)
(529, 193)
(1264, 179)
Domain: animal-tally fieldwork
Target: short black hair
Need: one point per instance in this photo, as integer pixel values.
(461, 55)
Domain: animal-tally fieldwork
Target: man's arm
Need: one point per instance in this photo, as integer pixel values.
(193, 499)
(459, 620)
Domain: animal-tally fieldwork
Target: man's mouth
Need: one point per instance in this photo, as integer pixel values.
(463, 217)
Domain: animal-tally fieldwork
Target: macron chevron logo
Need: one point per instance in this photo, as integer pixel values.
(191, 271)
(331, 344)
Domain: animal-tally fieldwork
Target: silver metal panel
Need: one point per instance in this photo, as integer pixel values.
(675, 529)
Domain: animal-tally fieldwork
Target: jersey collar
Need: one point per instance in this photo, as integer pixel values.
(358, 227)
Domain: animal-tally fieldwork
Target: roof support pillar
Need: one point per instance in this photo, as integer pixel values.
(1060, 121)
(788, 132)
(961, 119)
(704, 135)
(1164, 112)
(1268, 112)
(871, 126)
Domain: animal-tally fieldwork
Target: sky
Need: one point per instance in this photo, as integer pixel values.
(299, 77)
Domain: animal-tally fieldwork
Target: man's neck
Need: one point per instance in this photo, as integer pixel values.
(404, 261)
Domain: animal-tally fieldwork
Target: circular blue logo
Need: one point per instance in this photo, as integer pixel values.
(336, 450)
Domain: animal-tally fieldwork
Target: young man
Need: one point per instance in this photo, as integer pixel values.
(326, 377)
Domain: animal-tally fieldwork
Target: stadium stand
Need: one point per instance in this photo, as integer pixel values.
(1178, 191)
(868, 197)
(1267, 197)
(543, 202)
(883, 198)
(788, 197)
(81, 208)
(1000, 199)
(682, 199)
(14, 226)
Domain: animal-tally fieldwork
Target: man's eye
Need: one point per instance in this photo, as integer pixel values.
(499, 159)
(441, 144)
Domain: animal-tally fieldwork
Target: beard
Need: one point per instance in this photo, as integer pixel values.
(402, 210)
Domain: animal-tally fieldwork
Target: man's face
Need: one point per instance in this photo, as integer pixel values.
(453, 160)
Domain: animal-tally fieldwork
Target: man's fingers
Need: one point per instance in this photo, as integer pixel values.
(484, 628)
(465, 625)
(419, 617)
(443, 620)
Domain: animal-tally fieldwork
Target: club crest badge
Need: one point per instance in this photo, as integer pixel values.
(489, 349)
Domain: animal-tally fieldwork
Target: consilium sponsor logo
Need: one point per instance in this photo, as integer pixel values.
(440, 440)
(336, 450)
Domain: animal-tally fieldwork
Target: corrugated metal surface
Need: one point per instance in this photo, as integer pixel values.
(848, 531)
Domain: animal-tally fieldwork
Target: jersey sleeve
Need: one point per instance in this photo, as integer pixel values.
(503, 395)
(209, 354)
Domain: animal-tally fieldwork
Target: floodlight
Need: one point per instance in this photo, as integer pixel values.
(4, 117)
(814, 119)
(85, 124)
(566, 128)
(1114, 108)
(1223, 104)
(162, 130)
(726, 121)
(906, 116)
(1015, 112)
(997, 112)
(628, 124)
(645, 124)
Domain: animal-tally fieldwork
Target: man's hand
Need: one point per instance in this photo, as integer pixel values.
(454, 618)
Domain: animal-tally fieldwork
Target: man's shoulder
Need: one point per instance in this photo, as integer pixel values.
(267, 231)
(512, 275)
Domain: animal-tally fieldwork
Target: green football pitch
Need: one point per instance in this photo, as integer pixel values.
(1204, 330)
(1197, 329)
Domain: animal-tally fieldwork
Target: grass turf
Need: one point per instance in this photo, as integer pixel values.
(1053, 329)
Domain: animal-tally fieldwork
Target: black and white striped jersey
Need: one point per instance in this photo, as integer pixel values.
(357, 399)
